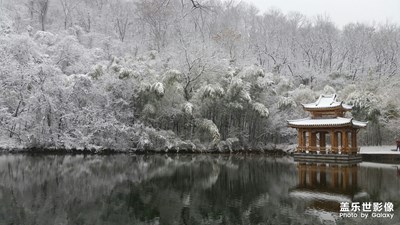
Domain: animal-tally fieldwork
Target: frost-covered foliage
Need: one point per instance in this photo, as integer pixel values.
(286, 103)
(42, 107)
(6, 24)
(150, 139)
(210, 127)
(158, 89)
(212, 91)
(328, 90)
(239, 89)
(45, 38)
(283, 85)
(261, 110)
(188, 108)
(172, 76)
(102, 79)
(70, 55)
(303, 94)
(365, 105)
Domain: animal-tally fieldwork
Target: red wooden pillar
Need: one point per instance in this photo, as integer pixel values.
(334, 143)
(309, 140)
(313, 141)
(299, 137)
(322, 141)
(353, 141)
(345, 145)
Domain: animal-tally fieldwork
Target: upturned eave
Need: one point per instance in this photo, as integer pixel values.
(326, 123)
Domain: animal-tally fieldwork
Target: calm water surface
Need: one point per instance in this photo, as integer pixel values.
(188, 189)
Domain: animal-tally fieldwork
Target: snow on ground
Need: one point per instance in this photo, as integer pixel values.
(384, 149)
(379, 165)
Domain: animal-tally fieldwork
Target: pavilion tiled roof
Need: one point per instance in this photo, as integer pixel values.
(326, 122)
(326, 102)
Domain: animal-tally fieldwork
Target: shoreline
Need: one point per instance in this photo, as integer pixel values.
(108, 152)
(49, 151)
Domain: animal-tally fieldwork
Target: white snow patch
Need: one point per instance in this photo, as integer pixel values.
(384, 149)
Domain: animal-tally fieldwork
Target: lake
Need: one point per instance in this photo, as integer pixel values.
(189, 189)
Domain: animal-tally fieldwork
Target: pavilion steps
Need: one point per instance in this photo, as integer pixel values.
(327, 158)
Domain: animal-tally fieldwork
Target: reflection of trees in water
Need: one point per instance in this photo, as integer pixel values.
(121, 189)
(243, 191)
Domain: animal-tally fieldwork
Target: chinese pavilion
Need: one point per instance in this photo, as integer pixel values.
(327, 131)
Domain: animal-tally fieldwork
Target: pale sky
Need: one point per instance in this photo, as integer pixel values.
(340, 11)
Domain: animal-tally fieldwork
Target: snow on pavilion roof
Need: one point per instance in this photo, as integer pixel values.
(326, 101)
(326, 122)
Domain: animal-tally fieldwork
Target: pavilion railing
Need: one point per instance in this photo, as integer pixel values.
(328, 150)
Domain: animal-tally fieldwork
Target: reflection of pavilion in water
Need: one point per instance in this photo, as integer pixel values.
(324, 186)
